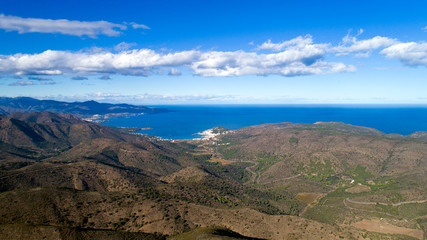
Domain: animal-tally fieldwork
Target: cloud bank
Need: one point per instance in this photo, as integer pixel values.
(135, 62)
(143, 62)
(296, 57)
(292, 62)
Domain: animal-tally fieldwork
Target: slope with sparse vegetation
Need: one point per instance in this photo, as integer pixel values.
(64, 178)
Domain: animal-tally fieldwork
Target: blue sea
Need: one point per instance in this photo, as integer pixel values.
(184, 122)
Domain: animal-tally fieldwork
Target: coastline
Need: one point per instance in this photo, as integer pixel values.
(212, 133)
(98, 118)
(189, 122)
(207, 135)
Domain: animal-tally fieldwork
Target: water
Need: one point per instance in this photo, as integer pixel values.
(183, 122)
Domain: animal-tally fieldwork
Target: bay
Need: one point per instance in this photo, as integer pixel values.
(184, 122)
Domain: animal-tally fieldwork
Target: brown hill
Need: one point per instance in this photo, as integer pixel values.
(285, 148)
(149, 156)
(47, 149)
(82, 175)
(61, 177)
(47, 133)
(46, 117)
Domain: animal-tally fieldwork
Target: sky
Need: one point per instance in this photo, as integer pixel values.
(215, 52)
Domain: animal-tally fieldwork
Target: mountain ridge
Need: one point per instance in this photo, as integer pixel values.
(61, 172)
(87, 109)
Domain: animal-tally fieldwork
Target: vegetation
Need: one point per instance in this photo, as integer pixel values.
(360, 174)
(266, 160)
(211, 233)
(293, 140)
(62, 175)
(81, 109)
(321, 171)
(220, 129)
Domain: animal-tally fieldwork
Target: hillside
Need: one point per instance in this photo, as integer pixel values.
(88, 109)
(65, 178)
(57, 162)
(344, 173)
(345, 146)
(41, 134)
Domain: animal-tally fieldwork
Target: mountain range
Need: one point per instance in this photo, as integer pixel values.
(88, 109)
(65, 178)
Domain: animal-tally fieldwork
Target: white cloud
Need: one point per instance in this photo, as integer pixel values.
(362, 48)
(296, 42)
(141, 98)
(174, 72)
(123, 46)
(298, 56)
(135, 62)
(34, 80)
(63, 26)
(22, 83)
(243, 63)
(410, 53)
(48, 83)
(140, 26)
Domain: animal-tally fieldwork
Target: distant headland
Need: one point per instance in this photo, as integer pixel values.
(87, 110)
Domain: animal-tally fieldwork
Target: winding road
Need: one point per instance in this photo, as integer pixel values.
(254, 175)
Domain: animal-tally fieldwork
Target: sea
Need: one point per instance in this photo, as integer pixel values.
(186, 121)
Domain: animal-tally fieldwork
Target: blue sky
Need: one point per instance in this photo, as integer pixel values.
(219, 52)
